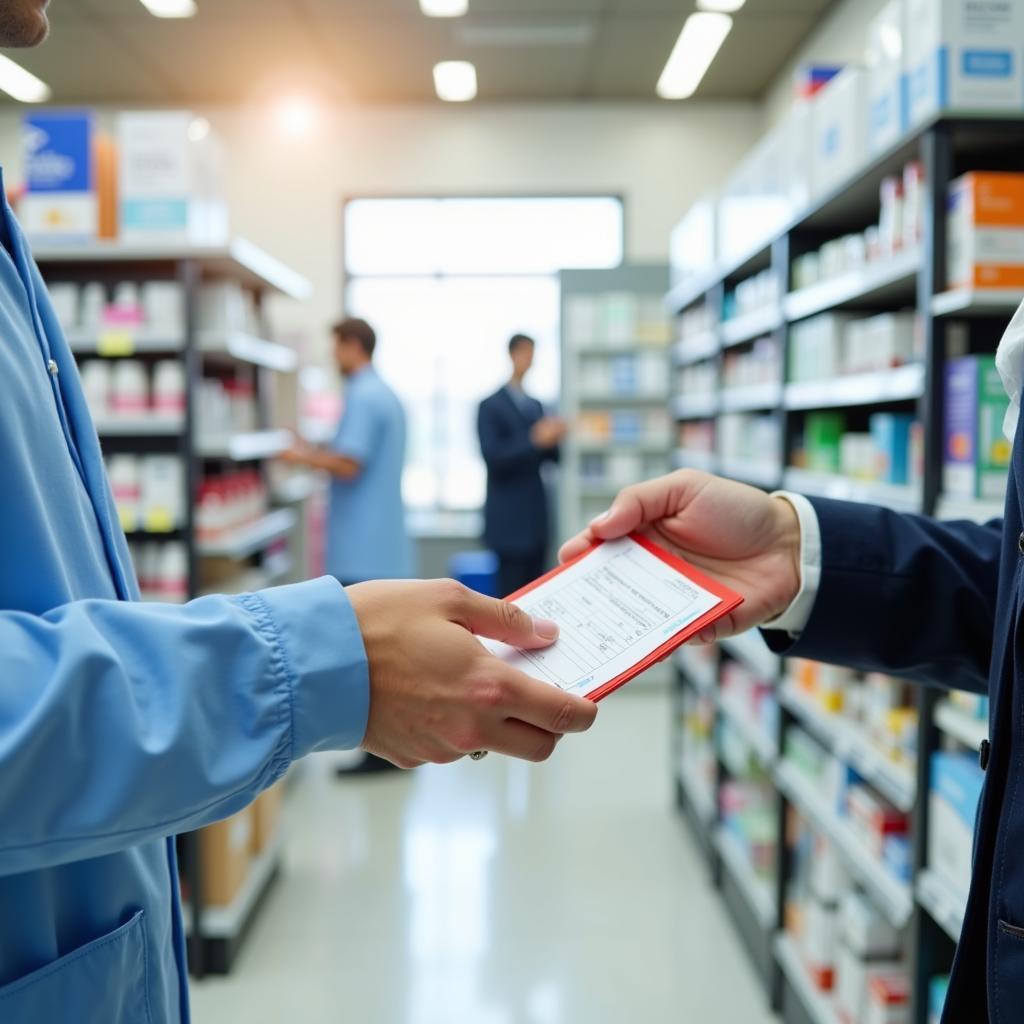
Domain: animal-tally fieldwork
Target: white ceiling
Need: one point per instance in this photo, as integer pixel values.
(383, 50)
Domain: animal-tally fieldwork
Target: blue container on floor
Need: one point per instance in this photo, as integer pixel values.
(477, 570)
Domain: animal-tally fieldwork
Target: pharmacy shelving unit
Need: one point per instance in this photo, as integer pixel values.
(916, 279)
(612, 320)
(214, 933)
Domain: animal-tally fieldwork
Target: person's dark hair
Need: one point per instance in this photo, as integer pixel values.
(357, 330)
(518, 340)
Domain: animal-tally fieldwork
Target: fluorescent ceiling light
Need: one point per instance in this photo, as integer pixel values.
(455, 80)
(722, 6)
(171, 8)
(570, 34)
(702, 35)
(21, 84)
(444, 8)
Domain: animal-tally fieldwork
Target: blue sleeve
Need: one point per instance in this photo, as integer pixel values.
(124, 721)
(902, 594)
(357, 431)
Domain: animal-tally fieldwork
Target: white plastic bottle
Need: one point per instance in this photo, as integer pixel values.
(169, 389)
(124, 474)
(172, 581)
(129, 395)
(96, 384)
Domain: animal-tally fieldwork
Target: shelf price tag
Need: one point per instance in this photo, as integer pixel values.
(116, 343)
(158, 520)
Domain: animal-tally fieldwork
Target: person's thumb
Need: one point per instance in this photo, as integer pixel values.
(624, 516)
(502, 620)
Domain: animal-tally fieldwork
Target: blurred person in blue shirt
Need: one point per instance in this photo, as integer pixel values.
(123, 723)
(366, 533)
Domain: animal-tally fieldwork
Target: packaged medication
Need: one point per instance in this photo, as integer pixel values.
(986, 231)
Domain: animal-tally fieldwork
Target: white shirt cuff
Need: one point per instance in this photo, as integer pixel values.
(794, 619)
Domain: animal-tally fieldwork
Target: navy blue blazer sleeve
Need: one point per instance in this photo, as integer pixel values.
(504, 451)
(902, 594)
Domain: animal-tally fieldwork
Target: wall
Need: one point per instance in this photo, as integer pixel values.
(287, 195)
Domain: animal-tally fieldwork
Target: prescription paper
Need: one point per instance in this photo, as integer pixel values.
(618, 606)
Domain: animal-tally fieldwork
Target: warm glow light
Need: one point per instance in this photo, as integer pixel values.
(455, 80)
(722, 6)
(695, 49)
(198, 129)
(22, 84)
(171, 8)
(444, 8)
(295, 116)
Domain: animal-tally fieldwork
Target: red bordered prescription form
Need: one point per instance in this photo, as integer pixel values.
(621, 606)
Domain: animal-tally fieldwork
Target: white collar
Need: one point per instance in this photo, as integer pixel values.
(1010, 364)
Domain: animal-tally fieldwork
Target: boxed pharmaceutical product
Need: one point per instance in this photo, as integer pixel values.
(875, 818)
(888, 998)
(822, 434)
(887, 115)
(964, 55)
(851, 986)
(820, 942)
(977, 453)
(985, 230)
(865, 930)
(890, 434)
(171, 179)
(839, 130)
(937, 989)
(956, 781)
(60, 201)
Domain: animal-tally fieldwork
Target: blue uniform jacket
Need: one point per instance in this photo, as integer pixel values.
(122, 724)
(516, 509)
(942, 603)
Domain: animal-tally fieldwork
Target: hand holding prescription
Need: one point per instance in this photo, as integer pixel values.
(735, 534)
(620, 607)
(437, 694)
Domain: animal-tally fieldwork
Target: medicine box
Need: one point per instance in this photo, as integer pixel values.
(977, 454)
(60, 200)
(822, 433)
(985, 224)
(852, 975)
(820, 942)
(886, 101)
(838, 130)
(890, 433)
(956, 782)
(888, 999)
(963, 55)
(864, 930)
(171, 179)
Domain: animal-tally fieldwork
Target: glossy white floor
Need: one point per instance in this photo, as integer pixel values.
(495, 893)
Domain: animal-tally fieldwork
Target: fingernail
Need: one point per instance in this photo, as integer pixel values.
(545, 629)
(601, 518)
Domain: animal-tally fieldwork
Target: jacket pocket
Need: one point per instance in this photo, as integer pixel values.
(102, 982)
(1007, 981)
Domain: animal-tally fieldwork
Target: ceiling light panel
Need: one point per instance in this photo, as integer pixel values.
(444, 8)
(722, 6)
(455, 81)
(171, 8)
(20, 84)
(702, 35)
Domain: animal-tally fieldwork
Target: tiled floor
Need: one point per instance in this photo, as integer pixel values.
(495, 893)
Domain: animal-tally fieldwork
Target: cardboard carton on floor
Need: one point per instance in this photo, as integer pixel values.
(225, 851)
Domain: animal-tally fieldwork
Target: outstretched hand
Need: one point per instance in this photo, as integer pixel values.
(736, 534)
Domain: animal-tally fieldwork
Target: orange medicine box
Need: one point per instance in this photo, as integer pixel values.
(986, 230)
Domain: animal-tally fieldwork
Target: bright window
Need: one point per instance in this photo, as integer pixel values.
(446, 283)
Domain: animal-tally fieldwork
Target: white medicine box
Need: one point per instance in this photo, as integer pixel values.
(171, 179)
(964, 55)
(887, 109)
(839, 130)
